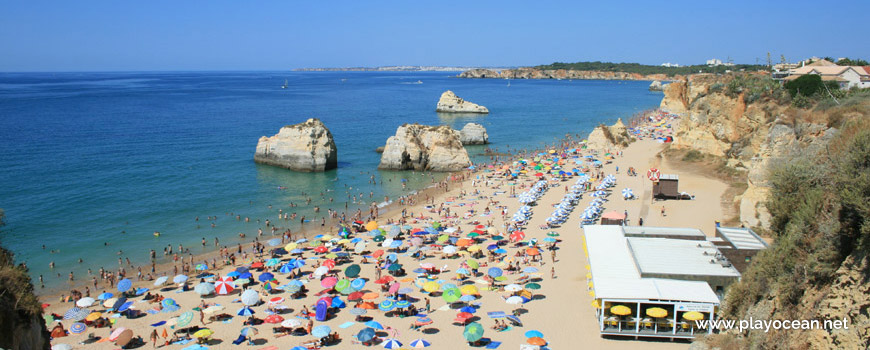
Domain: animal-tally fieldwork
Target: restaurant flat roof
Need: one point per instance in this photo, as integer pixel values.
(615, 274)
(742, 238)
(662, 231)
(663, 256)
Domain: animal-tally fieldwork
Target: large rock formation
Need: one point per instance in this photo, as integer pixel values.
(535, 73)
(305, 147)
(422, 147)
(450, 103)
(473, 134)
(21, 323)
(605, 137)
(656, 85)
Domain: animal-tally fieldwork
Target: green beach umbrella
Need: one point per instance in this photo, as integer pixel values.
(451, 295)
(443, 238)
(500, 278)
(553, 234)
(331, 256)
(473, 332)
(352, 271)
(497, 237)
(436, 225)
(394, 267)
(472, 234)
(342, 285)
(472, 264)
(379, 239)
(533, 286)
(184, 319)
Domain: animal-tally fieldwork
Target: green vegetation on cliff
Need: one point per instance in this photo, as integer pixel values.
(648, 69)
(19, 307)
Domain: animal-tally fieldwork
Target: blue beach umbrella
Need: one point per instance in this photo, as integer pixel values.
(386, 305)
(105, 296)
(530, 269)
(265, 277)
(534, 333)
(179, 279)
(358, 283)
(242, 269)
(286, 268)
(140, 291)
(403, 304)
(374, 324)
(245, 275)
(125, 285)
(392, 344)
(125, 306)
(321, 331)
(274, 242)
(234, 274)
(75, 314)
(419, 343)
(494, 272)
(78, 328)
(468, 309)
(245, 311)
(366, 334)
(467, 298)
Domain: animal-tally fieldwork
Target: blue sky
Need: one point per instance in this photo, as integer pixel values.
(277, 35)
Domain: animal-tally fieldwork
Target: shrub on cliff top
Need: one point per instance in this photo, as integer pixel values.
(809, 85)
(19, 307)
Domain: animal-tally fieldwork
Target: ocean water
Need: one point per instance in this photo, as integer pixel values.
(93, 163)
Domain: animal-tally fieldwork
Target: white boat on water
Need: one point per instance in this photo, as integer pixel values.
(285, 84)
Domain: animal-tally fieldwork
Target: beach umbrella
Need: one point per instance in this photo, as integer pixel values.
(392, 344)
(343, 285)
(473, 332)
(140, 291)
(370, 296)
(451, 295)
(250, 297)
(358, 284)
(245, 311)
(224, 285)
(125, 306)
(85, 302)
(106, 296)
(656, 312)
(321, 331)
(419, 343)
(494, 272)
(620, 310)
(201, 267)
(203, 333)
(386, 305)
(469, 289)
(513, 287)
(374, 324)
(533, 286)
(274, 242)
(467, 309)
(115, 333)
(93, 316)
(212, 309)
(179, 279)
(352, 271)
(366, 334)
(76, 314)
(204, 288)
(266, 276)
(286, 268)
(233, 274)
(291, 323)
(329, 263)
(514, 300)
(423, 321)
(536, 341)
(320, 271)
(273, 318)
(403, 304)
(184, 319)
(472, 264)
(467, 298)
(355, 296)
(328, 282)
(273, 262)
(431, 286)
(125, 285)
(533, 334)
(124, 338)
(168, 302)
(276, 300)
(359, 247)
(249, 331)
(693, 316)
(357, 311)
(77, 328)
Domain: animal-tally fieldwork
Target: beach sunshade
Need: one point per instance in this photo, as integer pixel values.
(224, 285)
(204, 288)
(77, 328)
(179, 279)
(468, 309)
(321, 331)
(93, 316)
(431, 286)
(203, 333)
(620, 310)
(107, 295)
(357, 311)
(419, 343)
(530, 269)
(370, 296)
(184, 319)
(343, 285)
(366, 334)
(451, 295)
(423, 321)
(469, 289)
(124, 338)
(125, 285)
(533, 286)
(473, 332)
(391, 344)
(358, 284)
(250, 297)
(352, 271)
(656, 312)
(85, 302)
(76, 314)
(472, 264)
(249, 331)
(61, 347)
(494, 272)
(115, 333)
(328, 282)
(291, 323)
(125, 306)
(534, 333)
(374, 324)
(265, 277)
(387, 305)
(212, 309)
(538, 341)
(273, 318)
(245, 311)
(514, 300)
(693, 316)
(403, 304)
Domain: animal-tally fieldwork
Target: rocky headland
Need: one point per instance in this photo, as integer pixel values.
(450, 103)
(473, 134)
(423, 147)
(609, 137)
(306, 147)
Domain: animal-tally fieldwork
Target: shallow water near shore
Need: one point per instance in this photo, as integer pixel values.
(91, 159)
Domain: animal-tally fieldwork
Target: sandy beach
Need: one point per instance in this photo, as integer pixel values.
(560, 309)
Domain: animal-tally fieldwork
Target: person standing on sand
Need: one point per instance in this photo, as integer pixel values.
(663, 211)
(154, 337)
(553, 272)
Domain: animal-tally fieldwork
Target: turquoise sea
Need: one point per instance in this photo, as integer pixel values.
(93, 163)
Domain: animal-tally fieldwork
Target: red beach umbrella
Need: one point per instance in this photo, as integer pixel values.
(355, 296)
(378, 253)
(320, 249)
(274, 318)
(329, 263)
(328, 282)
(224, 285)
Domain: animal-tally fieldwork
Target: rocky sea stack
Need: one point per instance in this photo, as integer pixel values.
(450, 103)
(605, 137)
(306, 147)
(473, 134)
(423, 147)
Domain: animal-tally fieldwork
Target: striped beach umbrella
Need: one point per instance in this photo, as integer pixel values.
(392, 344)
(386, 305)
(419, 343)
(184, 319)
(245, 311)
(78, 328)
(224, 285)
(76, 314)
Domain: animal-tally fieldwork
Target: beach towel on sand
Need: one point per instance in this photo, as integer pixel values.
(346, 324)
(493, 345)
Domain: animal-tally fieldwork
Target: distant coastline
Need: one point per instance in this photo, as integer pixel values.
(393, 69)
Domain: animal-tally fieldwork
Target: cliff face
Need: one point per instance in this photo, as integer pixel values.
(609, 137)
(473, 134)
(534, 73)
(422, 147)
(21, 323)
(305, 147)
(750, 137)
(450, 103)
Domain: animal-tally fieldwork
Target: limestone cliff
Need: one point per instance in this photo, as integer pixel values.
(473, 134)
(450, 103)
(656, 85)
(535, 73)
(605, 137)
(423, 147)
(306, 146)
(21, 322)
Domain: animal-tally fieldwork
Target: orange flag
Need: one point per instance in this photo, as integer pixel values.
(165, 335)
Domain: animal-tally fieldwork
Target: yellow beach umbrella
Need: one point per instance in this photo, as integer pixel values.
(620, 310)
(290, 246)
(93, 316)
(656, 312)
(343, 241)
(431, 286)
(693, 316)
(474, 248)
(592, 293)
(326, 237)
(595, 304)
(371, 226)
(203, 333)
(469, 289)
(588, 267)
(589, 275)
